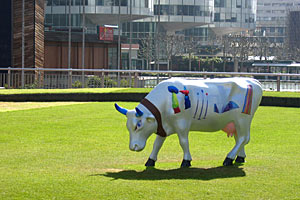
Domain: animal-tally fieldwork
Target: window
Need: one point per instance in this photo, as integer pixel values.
(238, 3)
(112, 58)
(171, 10)
(124, 3)
(79, 2)
(99, 3)
(280, 30)
(49, 3)
(217, 17)
(220, 3)
(179, 10)
(164, 9)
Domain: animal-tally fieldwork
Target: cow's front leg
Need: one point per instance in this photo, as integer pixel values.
(184, 143)
(156, 147)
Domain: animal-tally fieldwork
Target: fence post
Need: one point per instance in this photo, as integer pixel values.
(39, 79)
(8, 78)
(102, 79)
(70, 79)
(278, 83)
(135, 79)
(130, 80)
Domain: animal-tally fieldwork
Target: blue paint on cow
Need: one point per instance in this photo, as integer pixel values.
(121, 110)
(216, 109)
(138, 113)
(206, 109)
(230, 106)
(197, 105)
(173, 89)
(199, 118)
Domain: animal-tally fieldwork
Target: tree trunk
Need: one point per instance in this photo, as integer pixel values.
(190, 62)
(236, 69)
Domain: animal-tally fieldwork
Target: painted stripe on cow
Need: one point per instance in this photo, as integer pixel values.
(199, 118)
(197, 104)
(248, 100)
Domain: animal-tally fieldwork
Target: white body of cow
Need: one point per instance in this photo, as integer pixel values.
(225, 104)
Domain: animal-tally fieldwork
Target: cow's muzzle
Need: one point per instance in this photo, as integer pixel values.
(136, 147)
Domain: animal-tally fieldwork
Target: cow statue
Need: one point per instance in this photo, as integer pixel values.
(209, 105)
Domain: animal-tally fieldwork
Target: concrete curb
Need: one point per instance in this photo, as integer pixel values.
(131, 97)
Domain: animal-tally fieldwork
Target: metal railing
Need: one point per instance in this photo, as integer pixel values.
(100, 78)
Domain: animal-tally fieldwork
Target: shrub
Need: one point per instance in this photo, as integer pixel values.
(94, 82)
(77, 84)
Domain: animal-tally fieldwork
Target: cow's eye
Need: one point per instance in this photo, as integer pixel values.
(138, 125)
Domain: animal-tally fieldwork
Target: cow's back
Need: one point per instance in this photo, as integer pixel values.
(209, 99)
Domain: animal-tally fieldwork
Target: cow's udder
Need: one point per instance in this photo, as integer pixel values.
(230, 129)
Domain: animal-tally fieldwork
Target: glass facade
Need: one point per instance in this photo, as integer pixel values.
(57, 12)
(272, 17)
(235, 13)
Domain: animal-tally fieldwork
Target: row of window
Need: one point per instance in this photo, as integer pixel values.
(139, 27)
(231, 17)
(181, 10)
(66, 2)
(270, 18)
(62, 19)
(277, 4)
(280, 30)
(232, 3)
(143, 3)
(271, 11)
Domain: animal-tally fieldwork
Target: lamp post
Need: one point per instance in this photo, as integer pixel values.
(119, 43)
(83, 41)
(69, 49)
(23, 43)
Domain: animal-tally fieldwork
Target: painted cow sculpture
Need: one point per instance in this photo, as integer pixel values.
(179, 106)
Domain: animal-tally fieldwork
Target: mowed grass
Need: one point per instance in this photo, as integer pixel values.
(81, 152)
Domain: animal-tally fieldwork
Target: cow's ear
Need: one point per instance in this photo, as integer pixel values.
(151, 119)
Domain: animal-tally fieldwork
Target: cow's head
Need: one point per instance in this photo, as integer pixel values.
(140, 124)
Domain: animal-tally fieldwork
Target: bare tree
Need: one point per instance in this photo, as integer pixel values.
(171, 45)
(240, 48)
(190, 45)
(147, 50)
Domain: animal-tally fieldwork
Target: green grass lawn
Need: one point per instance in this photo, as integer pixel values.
(80, 152)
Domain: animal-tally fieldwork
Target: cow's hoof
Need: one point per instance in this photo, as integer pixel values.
(150, 163)
(185, 164)
(228, 162)
(239, 159)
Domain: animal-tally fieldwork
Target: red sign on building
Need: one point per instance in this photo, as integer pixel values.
(106, 33)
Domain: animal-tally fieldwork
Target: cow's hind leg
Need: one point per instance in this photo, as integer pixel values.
(156, 147)
(242, 138)
(184, 143)
(241, 155)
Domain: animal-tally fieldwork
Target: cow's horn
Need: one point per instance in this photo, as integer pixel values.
(121, 110)
(138, 113)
